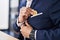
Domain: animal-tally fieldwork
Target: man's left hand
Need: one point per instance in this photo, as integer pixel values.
(26, 29)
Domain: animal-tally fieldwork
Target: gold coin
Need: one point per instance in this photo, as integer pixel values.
(34, 13)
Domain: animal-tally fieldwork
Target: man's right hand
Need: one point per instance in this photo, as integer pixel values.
(24, 14)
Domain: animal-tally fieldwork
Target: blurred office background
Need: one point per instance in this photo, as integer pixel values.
(8, 16)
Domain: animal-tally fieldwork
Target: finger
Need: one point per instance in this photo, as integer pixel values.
(24, 10)
(33, 12)
(30, 10)
(26, 23)
(26, 14)
(23, 34)
(22, 26)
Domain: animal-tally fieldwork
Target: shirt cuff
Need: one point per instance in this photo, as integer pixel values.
(35, 34)
(20, 23)
(17, 22)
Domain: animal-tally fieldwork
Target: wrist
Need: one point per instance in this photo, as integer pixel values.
(20, 20)
(19, 23)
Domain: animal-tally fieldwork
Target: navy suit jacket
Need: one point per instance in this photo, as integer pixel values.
(48, 23)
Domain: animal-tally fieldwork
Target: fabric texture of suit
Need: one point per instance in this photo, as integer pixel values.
(48, 23)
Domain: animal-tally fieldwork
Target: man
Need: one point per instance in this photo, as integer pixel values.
(45, 25)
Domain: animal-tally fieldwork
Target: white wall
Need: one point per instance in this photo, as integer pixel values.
(14, 3)
(4, 12)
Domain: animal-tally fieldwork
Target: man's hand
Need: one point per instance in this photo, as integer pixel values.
(26, 29)
(24, 14)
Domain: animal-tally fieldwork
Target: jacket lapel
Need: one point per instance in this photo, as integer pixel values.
(34, 2)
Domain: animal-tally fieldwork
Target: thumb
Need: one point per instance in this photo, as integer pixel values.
(26, 23)
(22, 26)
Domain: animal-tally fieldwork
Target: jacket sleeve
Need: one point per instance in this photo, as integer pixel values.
(54, 33)
(48, 34)
(15, 27)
